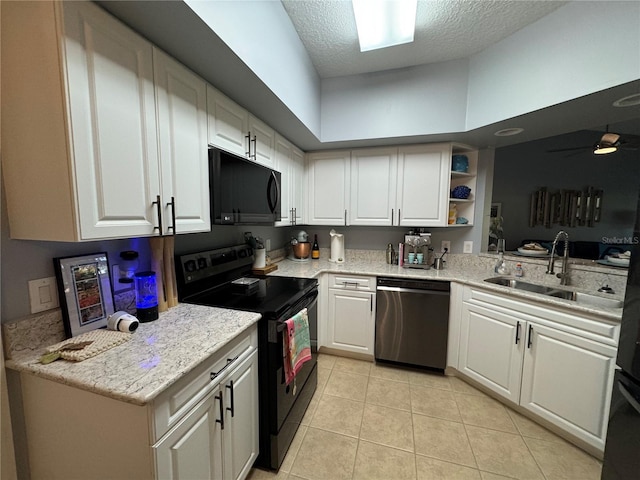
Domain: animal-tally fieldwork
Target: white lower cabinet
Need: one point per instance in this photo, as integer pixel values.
(351, 314)
(217, 439)
(557, 364)
(204, 426)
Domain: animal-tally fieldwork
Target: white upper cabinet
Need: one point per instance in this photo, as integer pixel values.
(328, 183)
(289, 161)
(182, 130)
(373, 186)
(262, 140)
(234, 129)
(102, 174)
(423, 185)
(228, 123)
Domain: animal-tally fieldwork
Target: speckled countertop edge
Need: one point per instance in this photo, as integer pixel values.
(158, 354)
(471, 273)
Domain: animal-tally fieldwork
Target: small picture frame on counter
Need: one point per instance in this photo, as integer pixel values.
(84, 288)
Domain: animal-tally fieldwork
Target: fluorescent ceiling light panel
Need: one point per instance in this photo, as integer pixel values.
(384, 23)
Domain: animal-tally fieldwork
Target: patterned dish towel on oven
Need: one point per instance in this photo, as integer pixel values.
(296, 344)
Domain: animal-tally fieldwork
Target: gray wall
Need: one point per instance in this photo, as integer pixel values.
(522, 169)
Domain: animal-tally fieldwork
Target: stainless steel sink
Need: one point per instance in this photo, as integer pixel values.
(520, 285)
(587, 299)
(578, 297)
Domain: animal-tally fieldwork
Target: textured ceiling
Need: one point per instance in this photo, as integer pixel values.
(445, 30)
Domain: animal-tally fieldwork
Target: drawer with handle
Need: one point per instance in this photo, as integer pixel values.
(352, 282)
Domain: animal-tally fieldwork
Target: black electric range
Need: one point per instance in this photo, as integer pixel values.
(223, 278)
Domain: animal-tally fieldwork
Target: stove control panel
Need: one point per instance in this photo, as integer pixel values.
(198, 266)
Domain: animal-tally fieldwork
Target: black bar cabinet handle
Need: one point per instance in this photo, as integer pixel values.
(221, 421)
(248, 137)
(255, 147)
(517, 332)
(529, 342)
(159, 207)
(232, 408)
(172, 203)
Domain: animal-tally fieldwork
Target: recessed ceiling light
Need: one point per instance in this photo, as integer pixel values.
(382, 23)
(507, 132)
(629, 101)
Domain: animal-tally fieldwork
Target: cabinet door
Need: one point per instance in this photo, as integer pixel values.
(193, 449)
(328, 188)
(423, 185)
(298, 185)
(289, 161)
(283, 163)
(351, 321)
(113, 120)
(491, 345)
(263, 140)
(241, 419)
(373, 186)
(228, 123)
(182, 127)
(567, 380)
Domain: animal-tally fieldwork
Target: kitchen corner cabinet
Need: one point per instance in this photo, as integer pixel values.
(557, 364)
(328, 184)
(351, 313)
(423, 185)
(465, 207)
(289, 161)
(204, 426)
(82, 84)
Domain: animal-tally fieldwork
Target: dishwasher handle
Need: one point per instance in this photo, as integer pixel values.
(411, 290)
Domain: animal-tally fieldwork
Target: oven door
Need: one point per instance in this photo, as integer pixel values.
(285, 396)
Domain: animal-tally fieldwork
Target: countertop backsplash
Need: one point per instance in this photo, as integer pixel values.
(34, 332)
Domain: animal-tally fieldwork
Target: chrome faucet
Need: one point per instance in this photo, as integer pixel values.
(564, 275)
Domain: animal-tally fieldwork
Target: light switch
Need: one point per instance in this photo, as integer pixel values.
(43, 294)
(467, 247)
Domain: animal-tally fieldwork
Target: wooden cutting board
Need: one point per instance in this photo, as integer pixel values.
(265, 270)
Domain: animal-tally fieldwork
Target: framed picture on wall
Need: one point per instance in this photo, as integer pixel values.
(84, 288)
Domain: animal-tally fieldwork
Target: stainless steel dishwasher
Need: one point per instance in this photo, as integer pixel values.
(412, 321)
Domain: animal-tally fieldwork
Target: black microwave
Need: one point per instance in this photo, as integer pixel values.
(242, 191)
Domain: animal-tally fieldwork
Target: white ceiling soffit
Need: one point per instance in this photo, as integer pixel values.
(445, 30)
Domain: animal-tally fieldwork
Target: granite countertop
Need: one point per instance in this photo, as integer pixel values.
(158, 354)
(469, 271)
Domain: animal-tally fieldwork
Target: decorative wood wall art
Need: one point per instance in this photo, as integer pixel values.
(567, 208)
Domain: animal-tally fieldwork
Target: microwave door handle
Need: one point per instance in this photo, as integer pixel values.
(273, 180)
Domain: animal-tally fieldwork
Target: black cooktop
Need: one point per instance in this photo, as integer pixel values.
(268, 296)
(222, 278)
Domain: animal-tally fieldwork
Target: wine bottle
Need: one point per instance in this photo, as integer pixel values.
(315, 250)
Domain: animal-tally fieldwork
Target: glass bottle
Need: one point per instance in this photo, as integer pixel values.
(315, 250)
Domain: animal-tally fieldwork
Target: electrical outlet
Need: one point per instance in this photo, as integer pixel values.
(468, 247)
(267, 244)
(445, 244)
(43, 294)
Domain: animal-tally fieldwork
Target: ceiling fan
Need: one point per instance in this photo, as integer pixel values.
(609, 142)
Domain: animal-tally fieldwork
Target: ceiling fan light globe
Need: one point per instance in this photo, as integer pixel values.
(604, 149)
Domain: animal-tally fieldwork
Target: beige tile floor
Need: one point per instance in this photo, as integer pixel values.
(370, 421)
